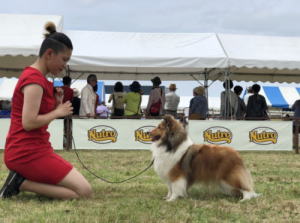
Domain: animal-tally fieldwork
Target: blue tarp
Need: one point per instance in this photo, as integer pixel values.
(100, 91)
(280, 97)
(275, 97)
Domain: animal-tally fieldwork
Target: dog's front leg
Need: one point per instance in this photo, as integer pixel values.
(169, 191)
(178, 188)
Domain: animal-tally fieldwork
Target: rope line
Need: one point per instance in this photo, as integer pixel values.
(103, 179)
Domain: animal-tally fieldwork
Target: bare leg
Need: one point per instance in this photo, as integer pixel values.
(48, 190)
(74, 185)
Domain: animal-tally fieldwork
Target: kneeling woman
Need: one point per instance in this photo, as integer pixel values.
(28, 153)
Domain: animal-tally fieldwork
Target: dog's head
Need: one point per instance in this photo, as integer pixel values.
(170, 133)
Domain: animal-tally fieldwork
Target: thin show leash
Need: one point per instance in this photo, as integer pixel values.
(103, 179)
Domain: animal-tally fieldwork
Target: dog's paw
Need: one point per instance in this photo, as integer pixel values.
(249, 195)
(172, 198)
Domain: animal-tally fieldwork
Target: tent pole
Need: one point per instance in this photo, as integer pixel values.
(227, 97)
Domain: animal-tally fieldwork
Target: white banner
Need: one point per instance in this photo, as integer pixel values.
(113, 133)
(134, 134)
(243, 135)
(55, 129)
(4, 127)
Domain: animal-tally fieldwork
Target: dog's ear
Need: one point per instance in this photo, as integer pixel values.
(183, 120)
(168, 121)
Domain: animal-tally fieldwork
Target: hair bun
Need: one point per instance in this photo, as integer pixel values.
(50, 28)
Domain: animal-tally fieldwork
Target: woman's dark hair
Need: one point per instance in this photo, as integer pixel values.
(135, 87)
(256, 88)
(156, 81)
(228, 83)
(67, 80)
(56, 41)
(238, 89)
(118, 87)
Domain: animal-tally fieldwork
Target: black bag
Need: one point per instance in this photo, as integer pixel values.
(118, 112)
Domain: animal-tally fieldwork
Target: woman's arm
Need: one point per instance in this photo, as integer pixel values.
(32, 100)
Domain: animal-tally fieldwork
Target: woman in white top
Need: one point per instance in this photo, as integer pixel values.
(172, 101)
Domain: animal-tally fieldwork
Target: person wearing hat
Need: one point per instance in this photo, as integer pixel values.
(172, 101)
(156, 100)
(198, 108)
(133, 100)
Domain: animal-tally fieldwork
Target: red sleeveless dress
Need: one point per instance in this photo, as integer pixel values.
(30, 153)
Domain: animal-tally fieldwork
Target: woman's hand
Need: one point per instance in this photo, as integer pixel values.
(64, 109)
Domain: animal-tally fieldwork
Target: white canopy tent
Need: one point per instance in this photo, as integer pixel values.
(262, 58)
(20, 39)
(138, 56)
(135, 56)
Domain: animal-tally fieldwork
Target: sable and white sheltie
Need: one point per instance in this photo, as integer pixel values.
(180, 163)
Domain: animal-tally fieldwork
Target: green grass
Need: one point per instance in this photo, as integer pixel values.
(276, 176)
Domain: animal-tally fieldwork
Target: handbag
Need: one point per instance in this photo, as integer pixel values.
(155, 107)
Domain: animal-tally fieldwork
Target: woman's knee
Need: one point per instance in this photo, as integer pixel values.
(76, 182)
(84, 191)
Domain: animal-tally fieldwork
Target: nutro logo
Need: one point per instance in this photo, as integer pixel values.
(263, 136)
(102, 134)
(217, 135)
(142, 134)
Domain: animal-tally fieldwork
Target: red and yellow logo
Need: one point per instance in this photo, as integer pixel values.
(102, 134)
(142, 134)
(217, 135)
(263, 136)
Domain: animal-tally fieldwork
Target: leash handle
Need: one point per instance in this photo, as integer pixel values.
(103, 179)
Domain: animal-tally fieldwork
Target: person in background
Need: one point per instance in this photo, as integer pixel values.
(68, 91)
(229, 101)
(28, 154)
(198, 108)
(76, 102)
(133, 100)
(5, 108)
(156, 102)
(172, 101)
(88, 97)
(117, 97)
(67, 96)
(248, 94)
(257, 106)
(102, 111)
(241, 109)
(97, 102)
(296, 109)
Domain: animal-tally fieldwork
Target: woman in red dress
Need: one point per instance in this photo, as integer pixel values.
(28, 153)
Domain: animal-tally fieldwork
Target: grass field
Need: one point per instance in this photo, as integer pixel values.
(276, 176)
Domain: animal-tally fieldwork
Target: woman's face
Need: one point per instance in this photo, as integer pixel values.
(57, 62)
